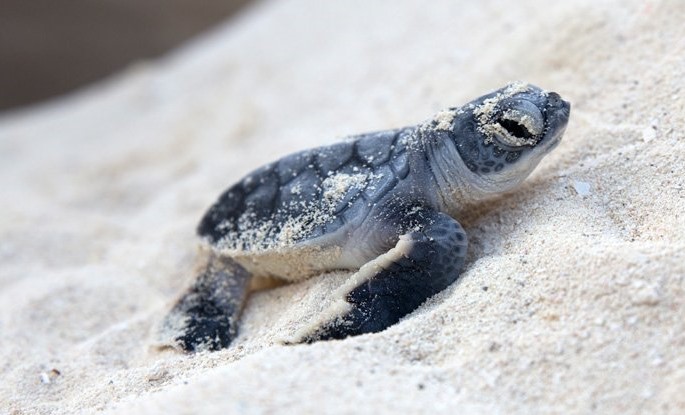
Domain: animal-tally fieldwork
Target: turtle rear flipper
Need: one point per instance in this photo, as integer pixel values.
(206, 316)
(422, 263)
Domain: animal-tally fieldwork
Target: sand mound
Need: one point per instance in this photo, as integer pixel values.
(573, 296)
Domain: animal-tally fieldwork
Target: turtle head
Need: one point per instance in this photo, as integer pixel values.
(501, 137)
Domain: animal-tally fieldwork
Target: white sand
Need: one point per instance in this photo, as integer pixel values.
(573, 296)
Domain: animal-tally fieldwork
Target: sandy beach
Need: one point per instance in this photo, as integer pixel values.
(573, 295)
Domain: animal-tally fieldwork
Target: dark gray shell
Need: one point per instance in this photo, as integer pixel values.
(308, 194)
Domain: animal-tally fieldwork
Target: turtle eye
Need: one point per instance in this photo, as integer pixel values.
(520, 125)
(516, 129)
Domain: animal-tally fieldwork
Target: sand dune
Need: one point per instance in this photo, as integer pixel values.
(572, 300)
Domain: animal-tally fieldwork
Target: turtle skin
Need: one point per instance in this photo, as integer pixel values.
(381, 203)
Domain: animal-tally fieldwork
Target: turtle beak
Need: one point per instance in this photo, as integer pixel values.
(558, 105)
(558, 112)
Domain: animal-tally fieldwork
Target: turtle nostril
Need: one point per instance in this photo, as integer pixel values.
(554, 100)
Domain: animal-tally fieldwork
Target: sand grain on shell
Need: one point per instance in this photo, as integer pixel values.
(574, 288)
(337, 185)
(250, 233)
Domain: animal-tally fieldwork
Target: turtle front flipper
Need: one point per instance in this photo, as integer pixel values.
(424, 261)
(206, 316)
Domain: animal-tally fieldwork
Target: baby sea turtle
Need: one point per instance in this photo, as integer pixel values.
(383, 203)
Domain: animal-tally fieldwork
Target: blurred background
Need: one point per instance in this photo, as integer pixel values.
(49, 47)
